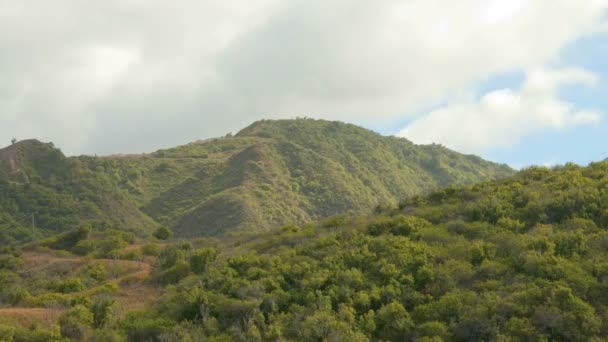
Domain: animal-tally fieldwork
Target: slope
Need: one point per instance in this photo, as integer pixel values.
(525, 258)
(42, 193)
(270, 174)
(287, 171)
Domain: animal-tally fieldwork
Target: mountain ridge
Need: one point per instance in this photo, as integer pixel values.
(271, 173)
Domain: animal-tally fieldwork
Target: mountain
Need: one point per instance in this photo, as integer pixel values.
(270, 174)
(42, 193)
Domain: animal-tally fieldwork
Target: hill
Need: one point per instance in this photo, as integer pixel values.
(288, 171)
(43, 193)
(518, 259)
(270, 174)
(524, 259)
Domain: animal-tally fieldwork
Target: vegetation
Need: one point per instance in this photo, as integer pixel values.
(42, 193)
(270, 174)
(518, 259)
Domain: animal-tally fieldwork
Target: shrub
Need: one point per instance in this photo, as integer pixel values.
(15, 295)
(71, 285)
(163, 233)
(102, 310)
(75, 323)
(173, 274)
(10, 262)
(68, 240)
(200, 259)
(105, 335)
(131, 255)
(95, 271)
(398, 225)
(83, 247)
(110, 244)
(152, 249)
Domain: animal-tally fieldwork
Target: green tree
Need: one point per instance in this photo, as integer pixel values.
(163, 233)
(200, 259)
(102, 310)
(75, 323)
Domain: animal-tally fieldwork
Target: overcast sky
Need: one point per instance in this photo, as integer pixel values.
(516, 81)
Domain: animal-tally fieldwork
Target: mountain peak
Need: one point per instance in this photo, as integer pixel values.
(289, 127)
(22, 159)
(23, 144)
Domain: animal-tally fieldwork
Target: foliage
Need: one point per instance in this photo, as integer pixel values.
(102, 310)
(162, 233)
(517, 259)
(75, 323)
(270, 174)
(505, 260)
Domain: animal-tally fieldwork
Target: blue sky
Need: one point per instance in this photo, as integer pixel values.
(582, 144)
(579, 144)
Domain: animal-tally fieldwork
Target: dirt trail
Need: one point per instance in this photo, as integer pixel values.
(133, 293)
(27, 316)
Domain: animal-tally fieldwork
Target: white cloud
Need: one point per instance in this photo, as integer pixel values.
(501, 118)
(154, 73)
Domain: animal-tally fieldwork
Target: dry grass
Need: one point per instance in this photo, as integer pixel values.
(29, 316)
(134, 291)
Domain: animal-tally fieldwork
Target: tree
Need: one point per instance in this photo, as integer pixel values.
(13, 141)
(393, 322)
(102, 311)
(200, 259)
(163, 233)
(75, 323)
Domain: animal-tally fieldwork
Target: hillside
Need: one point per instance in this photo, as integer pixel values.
(524, 258)
(518, 259)
(270, 174)
(42, 193)
(289, 171)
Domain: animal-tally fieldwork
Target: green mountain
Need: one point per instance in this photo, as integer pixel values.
(270, 174)
(43, 193)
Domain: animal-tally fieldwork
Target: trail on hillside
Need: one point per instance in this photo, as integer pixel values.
(133, 292)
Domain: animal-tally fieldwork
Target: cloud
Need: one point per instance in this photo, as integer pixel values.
(501, 118)
(129, 76)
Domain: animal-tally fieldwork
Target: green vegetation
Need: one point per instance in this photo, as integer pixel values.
(270, 174)
(42, 193)
(517, 259)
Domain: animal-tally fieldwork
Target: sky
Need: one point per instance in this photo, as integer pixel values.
(514, 81)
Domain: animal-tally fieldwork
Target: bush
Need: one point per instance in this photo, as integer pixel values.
(398, 225)
(7, 333)
(71, 285)
(49, 300)
(83, 247)
(173, 274)
(68, 240)
(75, 323)
(163, 233)
(95, 271)
(201, 258)
(102, 310)
(105, 335)
(111, 244)
(131, 255)
(151, 249)
(15, 295)
(10, 262)
(139, 327)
